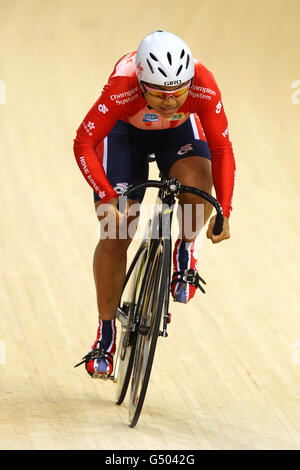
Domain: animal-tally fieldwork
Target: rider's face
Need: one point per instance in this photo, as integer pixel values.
(167, 106)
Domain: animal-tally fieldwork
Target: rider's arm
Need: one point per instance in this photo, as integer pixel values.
(95, 127)
(215, 126)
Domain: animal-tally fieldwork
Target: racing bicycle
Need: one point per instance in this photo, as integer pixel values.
(143, 310)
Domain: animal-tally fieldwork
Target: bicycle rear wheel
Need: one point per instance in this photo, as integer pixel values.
(151, 303)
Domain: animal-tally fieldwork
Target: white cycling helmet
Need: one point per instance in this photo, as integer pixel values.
(164, 59)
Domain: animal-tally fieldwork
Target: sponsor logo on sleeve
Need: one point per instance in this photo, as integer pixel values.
(102, 194)
(84, 165)
(225, 133)
(102, 108)
(218, 107)
(88, 127)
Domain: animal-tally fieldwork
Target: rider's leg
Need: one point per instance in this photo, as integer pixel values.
(193, 171)
(124, 163)
(190, 171)
(110, 269)
(109, 273)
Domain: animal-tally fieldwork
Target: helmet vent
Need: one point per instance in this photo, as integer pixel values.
(182, 53)
(178, 71)
(187, 61)
(153, 57)
(150, 66)
(169, 58)
(162, 72)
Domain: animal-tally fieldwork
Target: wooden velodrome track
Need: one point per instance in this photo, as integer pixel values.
(228, 375)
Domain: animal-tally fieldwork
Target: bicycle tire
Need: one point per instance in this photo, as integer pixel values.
(126, 346)
(155, 290)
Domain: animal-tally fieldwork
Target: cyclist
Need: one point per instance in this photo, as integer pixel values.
(159, 100)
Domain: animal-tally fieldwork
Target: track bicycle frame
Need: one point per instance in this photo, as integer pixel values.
(146, 308)
(159, 226)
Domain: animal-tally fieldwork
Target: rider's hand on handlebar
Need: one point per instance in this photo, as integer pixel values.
(223, 235)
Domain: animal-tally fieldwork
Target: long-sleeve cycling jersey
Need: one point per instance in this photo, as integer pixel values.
(122, 99)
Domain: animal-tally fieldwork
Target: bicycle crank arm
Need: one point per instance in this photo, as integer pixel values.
(121, 316)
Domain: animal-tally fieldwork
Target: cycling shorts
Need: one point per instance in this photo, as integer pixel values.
(124, 152)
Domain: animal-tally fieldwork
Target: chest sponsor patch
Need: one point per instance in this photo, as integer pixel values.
(150, 117)
(176, 117)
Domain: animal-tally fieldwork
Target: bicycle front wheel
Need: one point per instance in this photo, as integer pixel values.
(150, 306)
(126, 315)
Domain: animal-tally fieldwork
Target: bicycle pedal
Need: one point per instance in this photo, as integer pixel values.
(98, 375)
(163, 333)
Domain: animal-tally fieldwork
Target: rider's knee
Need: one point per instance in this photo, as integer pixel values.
(115, 246)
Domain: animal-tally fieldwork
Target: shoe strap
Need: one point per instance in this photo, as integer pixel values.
(189, 275)
(97, 353)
